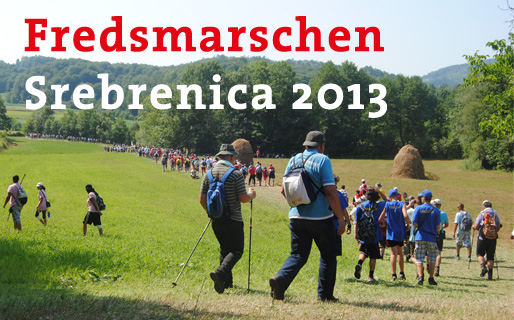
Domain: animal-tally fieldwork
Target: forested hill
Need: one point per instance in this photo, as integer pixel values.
(77, 71)
(441, 122)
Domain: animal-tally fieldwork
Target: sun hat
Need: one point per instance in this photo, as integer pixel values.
(314, 139)
(227, 150)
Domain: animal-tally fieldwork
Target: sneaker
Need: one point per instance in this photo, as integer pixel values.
(218, 282)
(483, 272)
(436, 274)
(458, 258)
(329, 299)
(420, 281)
(489, 277)
(402, 276)
(469, 259)
(357, 272)
(432, 282)
(393, 278)
(371, 280)
(277, 288)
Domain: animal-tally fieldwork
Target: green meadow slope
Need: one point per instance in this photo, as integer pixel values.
(153, 220)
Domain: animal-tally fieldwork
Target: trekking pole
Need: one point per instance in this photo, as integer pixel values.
(471, 249)
(187, 261)
(250, 245)
(496, 263)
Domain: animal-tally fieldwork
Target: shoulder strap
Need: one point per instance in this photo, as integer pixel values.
(210, 177)
(225, 176)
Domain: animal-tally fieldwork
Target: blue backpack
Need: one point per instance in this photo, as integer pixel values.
(216, 199)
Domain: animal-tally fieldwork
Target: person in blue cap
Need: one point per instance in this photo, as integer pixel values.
(427, 220)
(397, 220)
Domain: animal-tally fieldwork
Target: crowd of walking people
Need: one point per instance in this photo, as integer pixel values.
(413, 227)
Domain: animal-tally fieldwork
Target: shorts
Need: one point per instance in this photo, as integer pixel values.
(463, 239)
(16, 213)
(382, 243)
(94, 218)
(370, 250)
(440, 241)
(486, 246)
(425, 248)
(41, 211)
(259, 176)
(272, 175)
(392, 243)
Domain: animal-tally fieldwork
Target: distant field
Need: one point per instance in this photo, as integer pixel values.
(153, 219)
(21, 114)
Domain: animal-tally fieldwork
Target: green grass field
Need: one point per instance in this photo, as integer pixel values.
(153, 220)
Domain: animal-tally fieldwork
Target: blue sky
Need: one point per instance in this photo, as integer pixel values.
(418, 36)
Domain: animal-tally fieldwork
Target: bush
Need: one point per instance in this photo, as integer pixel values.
(470, 164)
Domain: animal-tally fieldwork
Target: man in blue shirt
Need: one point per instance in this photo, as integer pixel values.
(369, 249)
(427, 219)
(441, 236)
(313, 221)
(397, 219)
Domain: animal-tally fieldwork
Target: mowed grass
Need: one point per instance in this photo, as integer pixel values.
(153, 220)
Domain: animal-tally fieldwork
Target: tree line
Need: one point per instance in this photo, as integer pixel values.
(442, 122)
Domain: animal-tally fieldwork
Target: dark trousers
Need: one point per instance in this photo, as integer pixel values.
(230, 235)
(302, 234)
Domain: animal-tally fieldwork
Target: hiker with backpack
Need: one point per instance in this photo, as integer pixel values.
(427, 221)
(463, 225)
(488, 226)
(258, 172)
(95, 206)
(310, 191)
(42, 203)
(222, 192)
(17, 198)
(441, 234)
(271, 174)
(397, 220)
(367, 231)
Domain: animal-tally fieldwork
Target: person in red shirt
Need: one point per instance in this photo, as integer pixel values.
(252, 172)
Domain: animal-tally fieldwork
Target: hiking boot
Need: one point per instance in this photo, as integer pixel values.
(357, 272)
(394, 277)
(331, 299)
(218, 281)
(420, 281)
(277, 288)
(402, 276)
(228, 285)
(489, 277)
(371, 280)
(432, 282)
(483, 272)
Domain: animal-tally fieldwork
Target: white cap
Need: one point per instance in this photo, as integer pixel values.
(437, 201)
(39, 184)
(395, 188)
(363, 181)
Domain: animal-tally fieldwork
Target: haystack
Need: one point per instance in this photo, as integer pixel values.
(408, 164)
(244, 148)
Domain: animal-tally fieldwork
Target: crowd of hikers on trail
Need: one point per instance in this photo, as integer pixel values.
(414, 227)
